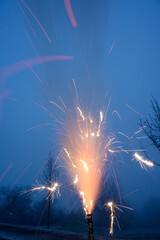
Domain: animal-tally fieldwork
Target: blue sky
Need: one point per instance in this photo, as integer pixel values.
(130, 72)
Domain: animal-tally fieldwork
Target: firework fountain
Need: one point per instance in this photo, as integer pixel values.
(84, 153)
(85, 150)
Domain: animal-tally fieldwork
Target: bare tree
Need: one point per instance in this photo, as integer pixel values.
(151, 127)
(48, 177)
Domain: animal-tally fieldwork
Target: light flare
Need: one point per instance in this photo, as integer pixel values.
(99, 125)
(142, 161)
(84, 149)
(110, 204)
(84, 165)
(76, 180)
(52, 189)
(81, 114)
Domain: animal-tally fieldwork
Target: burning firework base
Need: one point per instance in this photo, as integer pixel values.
(90, 226)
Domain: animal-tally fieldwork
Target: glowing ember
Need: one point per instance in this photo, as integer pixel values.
(142, 161)
(110, 204)
(53, 189)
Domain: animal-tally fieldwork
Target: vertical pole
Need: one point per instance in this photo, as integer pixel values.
(49, 206)
(90, 227)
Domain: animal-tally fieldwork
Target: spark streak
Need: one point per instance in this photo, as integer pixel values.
(142, 161)
(112, 207)
(134, 110)
(76, 180)
(22, 173)
(14, 68)
(110, 204)
(6, 171)
(84, 165)
(52, 189)
(70, 13)
(115, 111)
(81, 114)
(26, 18)
(111, 48)
(33, 15)
(99, 125)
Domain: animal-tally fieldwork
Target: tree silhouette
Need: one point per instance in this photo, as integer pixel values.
(151, 127)
(16, 208)
(49, 177)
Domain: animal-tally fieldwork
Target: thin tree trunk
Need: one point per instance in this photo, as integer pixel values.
(49, 206)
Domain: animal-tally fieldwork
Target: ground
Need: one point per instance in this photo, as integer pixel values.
(10, 232)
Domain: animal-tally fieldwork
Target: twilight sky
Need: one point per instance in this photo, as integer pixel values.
(105, 46)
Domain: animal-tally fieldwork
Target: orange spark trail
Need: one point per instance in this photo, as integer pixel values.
(111, 48)
(90, 42)
(36, 75)
(14, 68)
(41, 217)
(125, 135)
(29, 66)
(115, 111)
(53, 21)
(140, 129)
(32, 44)
(33, 15)
(117, 183)
(37, 126)
(41, 169)
(5, 172)
(26, 18)
(70, 13)
(134, 110)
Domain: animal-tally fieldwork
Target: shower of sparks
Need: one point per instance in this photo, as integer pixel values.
(142, 161)
(112, 206)
(54, 188)
(84, 153)
(86, 149)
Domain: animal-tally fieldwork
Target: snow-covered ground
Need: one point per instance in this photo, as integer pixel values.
(10, 232)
